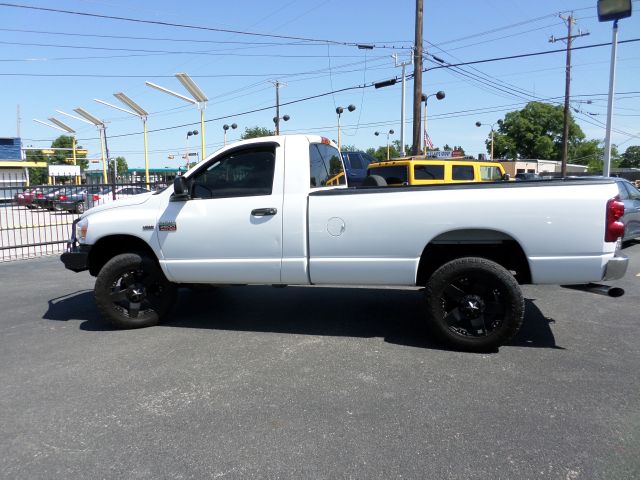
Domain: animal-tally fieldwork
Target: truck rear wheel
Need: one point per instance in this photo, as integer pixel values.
(474, 304)
(132, 292)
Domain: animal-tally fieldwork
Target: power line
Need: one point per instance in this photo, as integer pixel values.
(531, 54)
(161, 39)
(409, 76)
(192, 27)
(171, 52)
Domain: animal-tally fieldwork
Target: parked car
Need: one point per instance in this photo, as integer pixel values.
(355, 164)
(106, 195)
(522, 176)
(73, 199)
(25, 198)
(630, 196)
(44, 197)
(420, 171)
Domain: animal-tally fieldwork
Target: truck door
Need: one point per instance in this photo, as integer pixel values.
(229, 230)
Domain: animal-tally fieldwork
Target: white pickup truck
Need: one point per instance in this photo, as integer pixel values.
(265, 211)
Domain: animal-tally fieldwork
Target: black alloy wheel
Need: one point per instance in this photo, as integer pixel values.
(132, 292)
(474, 304)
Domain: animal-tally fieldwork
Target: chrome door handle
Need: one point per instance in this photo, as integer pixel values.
(264, 212)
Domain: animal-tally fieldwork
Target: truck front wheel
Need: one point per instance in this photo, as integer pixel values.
(132, 292)
(474, 304)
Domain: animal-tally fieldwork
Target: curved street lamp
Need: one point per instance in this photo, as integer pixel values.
(439, 96)
(136, 111)
(390, 132)
(339, 111)
(58, 125)
(226, 127)
(102, 132)
(199, 98)
(499, 122)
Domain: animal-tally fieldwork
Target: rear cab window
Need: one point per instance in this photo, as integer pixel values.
(325, 165)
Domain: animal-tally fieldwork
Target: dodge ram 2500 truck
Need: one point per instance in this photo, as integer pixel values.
(260, 212)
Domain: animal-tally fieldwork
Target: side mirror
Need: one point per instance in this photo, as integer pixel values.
(180, 187)
(506, 177)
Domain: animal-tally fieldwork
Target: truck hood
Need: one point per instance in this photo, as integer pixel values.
(121, 202)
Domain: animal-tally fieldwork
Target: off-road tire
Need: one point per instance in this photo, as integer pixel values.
(132, 292)
(474, 304)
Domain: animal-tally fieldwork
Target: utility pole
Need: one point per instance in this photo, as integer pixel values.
(276, 119)
(417, 79)
(402, 106)
(18, 120)
(567, 88)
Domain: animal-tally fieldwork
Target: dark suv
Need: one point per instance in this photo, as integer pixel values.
(355, 164)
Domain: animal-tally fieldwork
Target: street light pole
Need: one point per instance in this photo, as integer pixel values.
(339, 111)
(138, 111)
(390, 132)
(439, 95)
(58, 125)
(606, 167)
(199, 99)
(499, 122)
(612, 10)
(186, 147)
(226, 127)
(99, 124)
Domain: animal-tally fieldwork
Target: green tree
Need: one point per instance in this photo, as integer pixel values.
(121, 166)
(534, 132)
(585, 152)
(381, 152)
(631, 157)
(595, 165)
(349, 148)
(256, 132)
(37, 176)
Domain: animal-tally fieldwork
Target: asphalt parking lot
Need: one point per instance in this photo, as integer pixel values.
(257, 382)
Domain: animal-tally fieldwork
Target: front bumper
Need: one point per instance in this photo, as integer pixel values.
(76, 258)
(616, 267)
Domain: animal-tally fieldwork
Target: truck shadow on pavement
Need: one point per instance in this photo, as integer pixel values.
(393, 314)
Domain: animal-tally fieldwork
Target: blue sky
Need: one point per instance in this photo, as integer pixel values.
(55, 61)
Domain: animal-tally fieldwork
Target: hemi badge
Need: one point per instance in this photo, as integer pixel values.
(147, 227)
(167, 226)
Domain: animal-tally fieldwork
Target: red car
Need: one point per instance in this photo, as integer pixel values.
(25, 199)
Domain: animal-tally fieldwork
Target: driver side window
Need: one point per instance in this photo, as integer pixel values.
(243, 173)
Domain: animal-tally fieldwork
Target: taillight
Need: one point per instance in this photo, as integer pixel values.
(614, 227)
(95, 197)
(40, 195)
(62, 198)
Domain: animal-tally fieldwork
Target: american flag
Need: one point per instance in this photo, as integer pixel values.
(427, 140)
